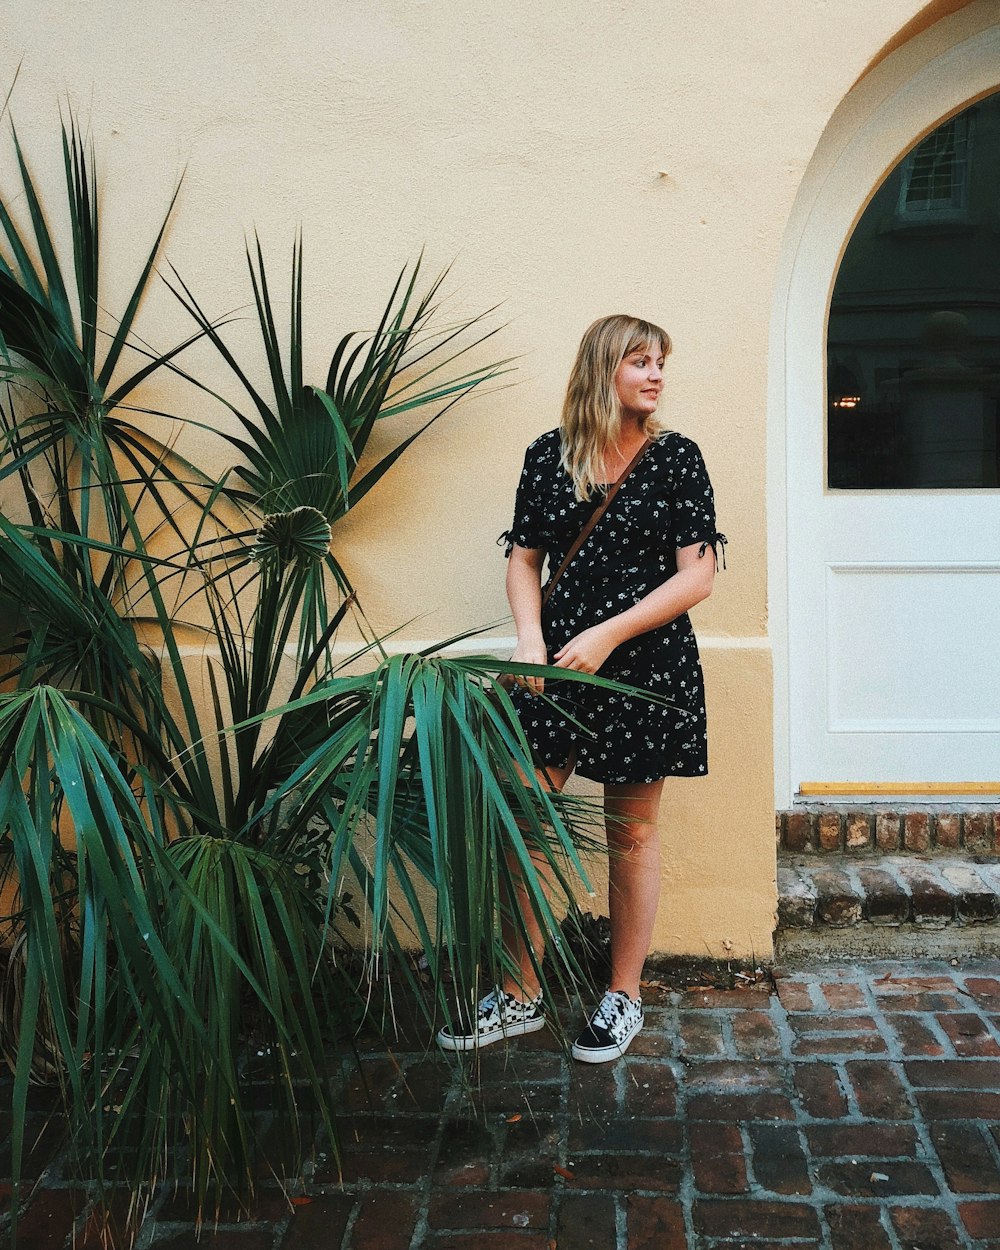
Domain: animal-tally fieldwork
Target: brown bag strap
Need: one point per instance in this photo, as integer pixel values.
(594, 517)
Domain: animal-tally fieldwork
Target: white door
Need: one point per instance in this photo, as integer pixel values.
(896, 662)
(893, 506)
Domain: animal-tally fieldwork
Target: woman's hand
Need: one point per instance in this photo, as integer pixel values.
(589, 649)
(532, 652)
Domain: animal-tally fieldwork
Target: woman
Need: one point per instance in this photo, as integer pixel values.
(620, 609)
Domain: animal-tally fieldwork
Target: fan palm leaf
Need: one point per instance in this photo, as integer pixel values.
(302, 447)
(87, 854)
(423, 774)
(180, 824)
(169, 938)
(82, 466)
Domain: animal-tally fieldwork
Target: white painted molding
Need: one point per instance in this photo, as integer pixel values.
(937, 73)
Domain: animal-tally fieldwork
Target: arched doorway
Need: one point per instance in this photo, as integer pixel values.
(885, 589)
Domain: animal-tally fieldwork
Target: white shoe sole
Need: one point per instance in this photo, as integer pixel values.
(606, 1053)
(475, 1041)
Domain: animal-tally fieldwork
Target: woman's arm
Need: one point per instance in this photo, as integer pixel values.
(689, 585)
(524, 594)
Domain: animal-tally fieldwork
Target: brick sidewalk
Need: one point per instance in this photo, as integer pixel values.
(856, 1109)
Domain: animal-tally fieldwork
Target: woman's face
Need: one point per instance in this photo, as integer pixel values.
(639, 381)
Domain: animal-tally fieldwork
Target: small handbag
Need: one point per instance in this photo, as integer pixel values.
(508, 680)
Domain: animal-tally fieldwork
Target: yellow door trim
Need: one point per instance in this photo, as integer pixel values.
(899, 787)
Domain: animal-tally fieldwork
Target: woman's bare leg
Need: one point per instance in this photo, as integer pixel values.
(524, 985)
(634, 877)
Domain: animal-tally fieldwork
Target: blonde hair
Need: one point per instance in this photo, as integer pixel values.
(592, 416)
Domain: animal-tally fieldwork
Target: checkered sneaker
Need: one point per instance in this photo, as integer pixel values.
(609, 1033)
(498, 1015)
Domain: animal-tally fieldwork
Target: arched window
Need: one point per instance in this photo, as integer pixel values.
(913, 351)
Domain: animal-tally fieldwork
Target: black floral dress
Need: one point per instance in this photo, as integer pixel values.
(665, 503)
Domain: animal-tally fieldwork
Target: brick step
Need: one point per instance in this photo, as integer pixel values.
(887, 905)
(876, 828)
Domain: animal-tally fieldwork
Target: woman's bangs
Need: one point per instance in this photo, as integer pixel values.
(644, 336)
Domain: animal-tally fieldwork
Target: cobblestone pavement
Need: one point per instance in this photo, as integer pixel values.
(858, 1108)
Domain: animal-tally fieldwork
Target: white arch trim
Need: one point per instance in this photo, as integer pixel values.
(936, 74)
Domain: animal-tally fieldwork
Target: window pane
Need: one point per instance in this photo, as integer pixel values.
(934, 172)
(913, 353)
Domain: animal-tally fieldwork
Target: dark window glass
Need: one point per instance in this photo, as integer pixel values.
(913, 352)
(934, 174)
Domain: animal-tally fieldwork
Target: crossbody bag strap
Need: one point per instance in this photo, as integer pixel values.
(595, 516)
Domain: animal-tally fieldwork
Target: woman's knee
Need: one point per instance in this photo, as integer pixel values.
(633, 837)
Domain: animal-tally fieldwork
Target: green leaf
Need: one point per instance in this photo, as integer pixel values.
(301, 536)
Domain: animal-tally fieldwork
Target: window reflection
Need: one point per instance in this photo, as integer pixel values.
(934, 174)
(913, 354)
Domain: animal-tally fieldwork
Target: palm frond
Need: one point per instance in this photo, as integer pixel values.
(302, 448)
(61, 786)
(181, 818)
(422, 760)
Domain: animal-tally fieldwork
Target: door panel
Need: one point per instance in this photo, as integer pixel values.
(886, 623)
(895, 673)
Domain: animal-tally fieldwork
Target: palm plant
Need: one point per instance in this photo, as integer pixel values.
(173, 865)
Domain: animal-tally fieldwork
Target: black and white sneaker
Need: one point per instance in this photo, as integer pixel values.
(498, 1015)
(616, 1021)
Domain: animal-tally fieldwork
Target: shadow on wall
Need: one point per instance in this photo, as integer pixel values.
(933, 12)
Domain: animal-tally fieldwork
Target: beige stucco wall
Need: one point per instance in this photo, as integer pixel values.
(571, 159)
